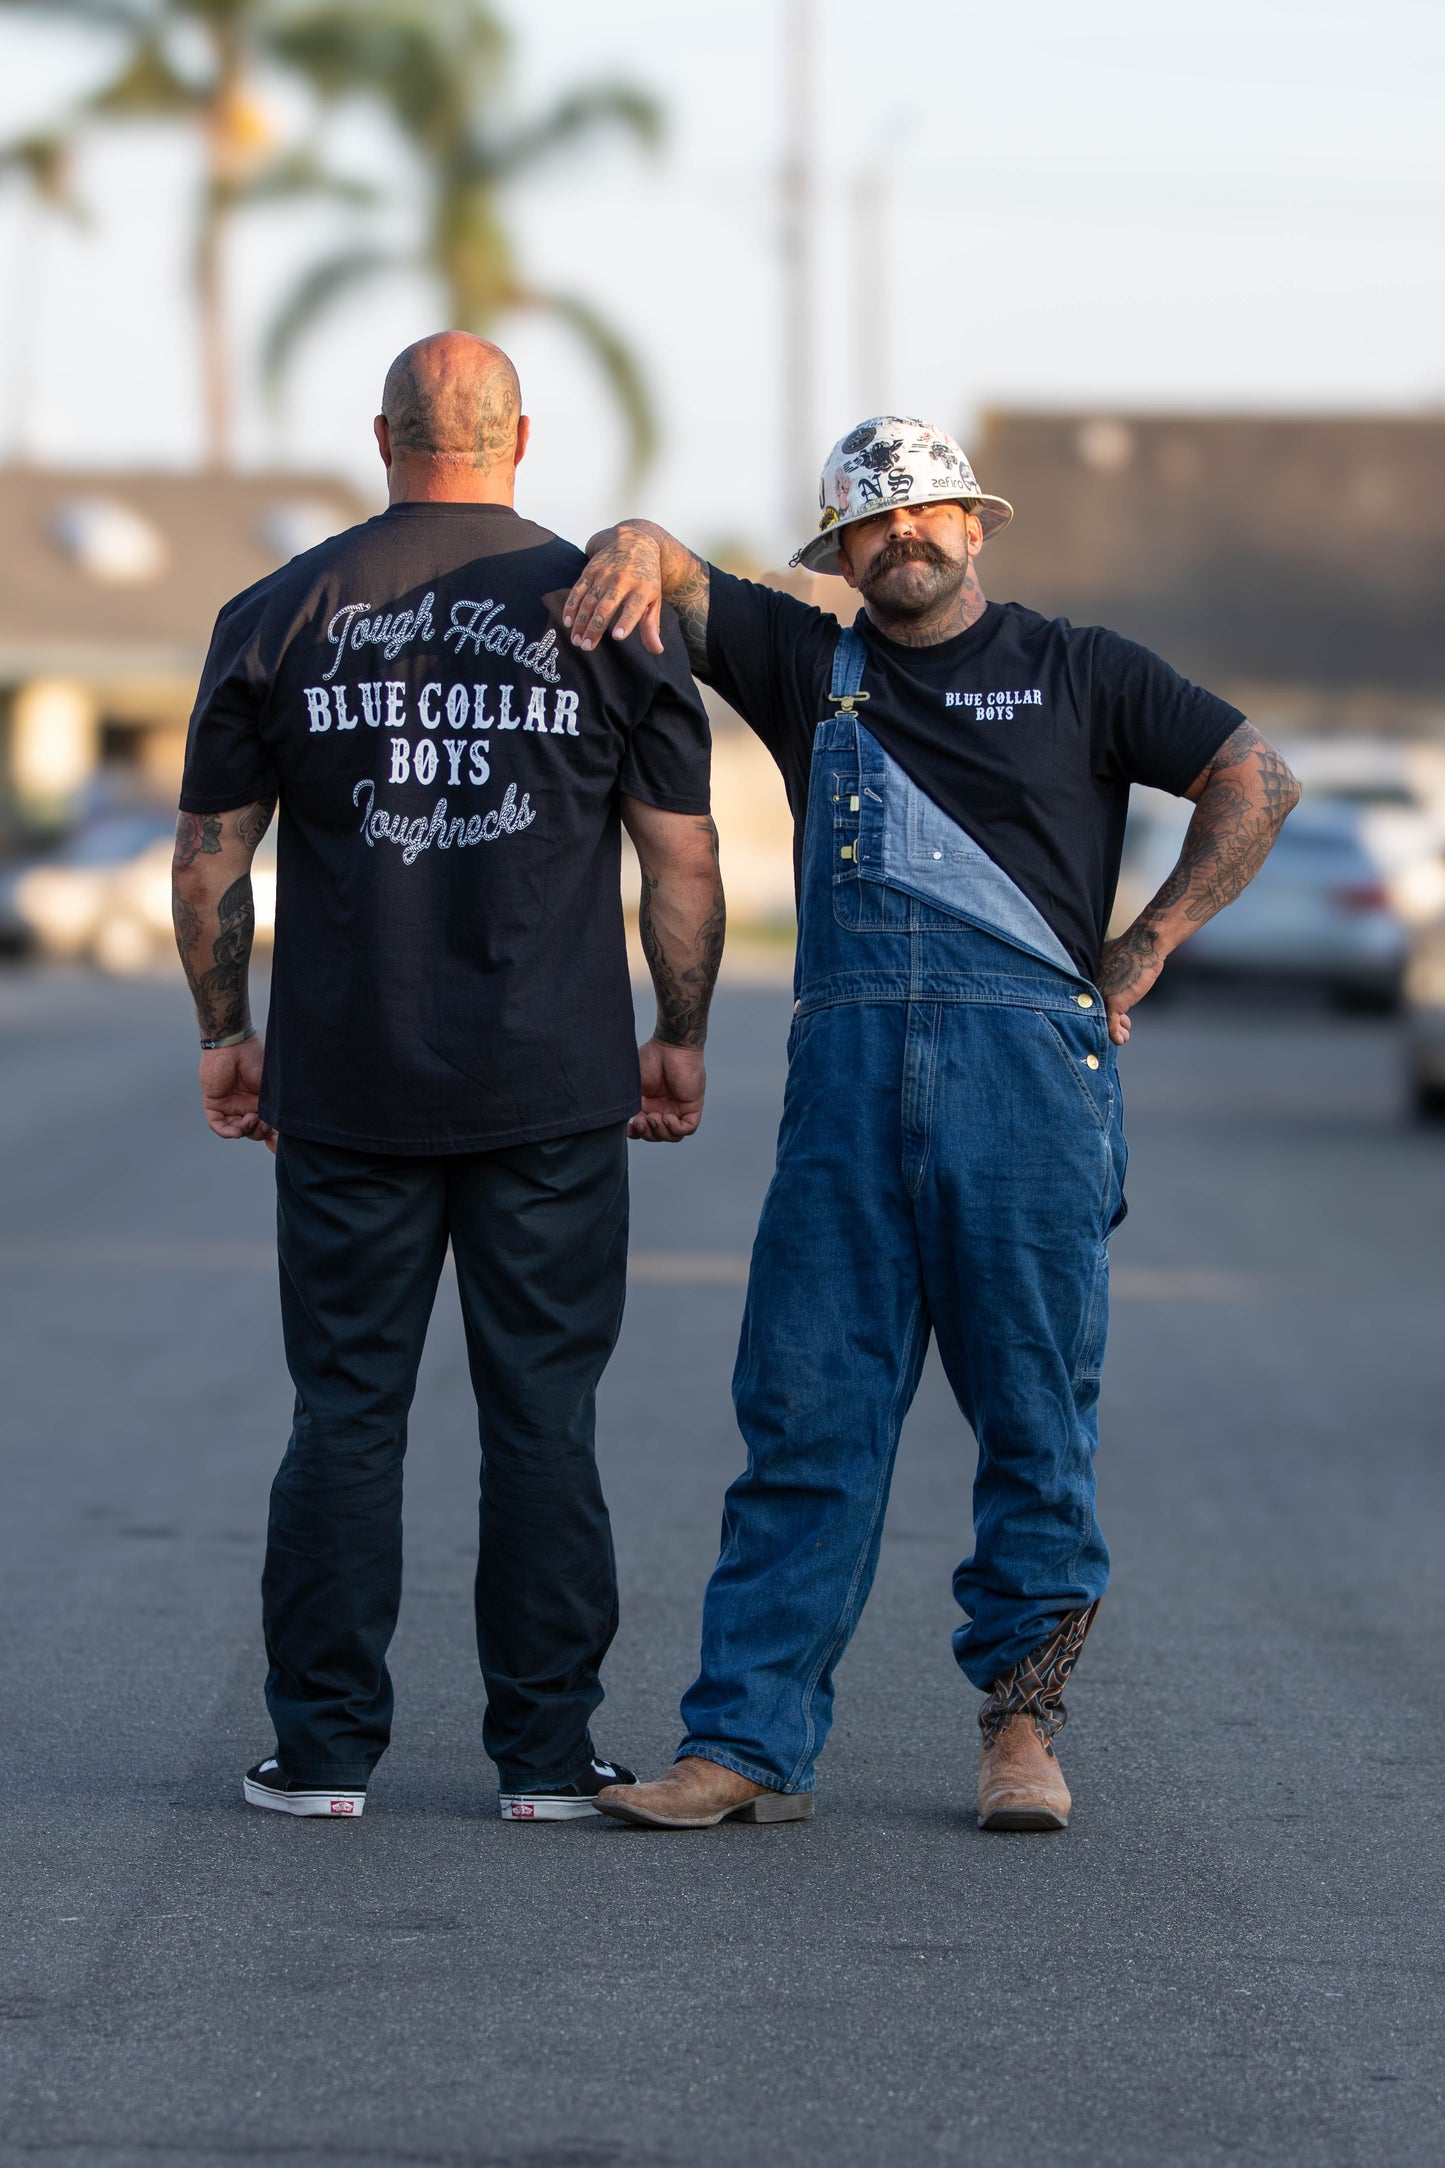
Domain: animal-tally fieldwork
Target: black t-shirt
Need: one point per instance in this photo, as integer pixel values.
(1025, 730)
(450, 971)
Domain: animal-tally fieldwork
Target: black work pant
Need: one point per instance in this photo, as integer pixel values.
(539, 1235)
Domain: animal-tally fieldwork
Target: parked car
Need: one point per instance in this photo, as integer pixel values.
(1318, 910)
(1397, 789)
(105, 896)
(17, 935)
(1404, 839)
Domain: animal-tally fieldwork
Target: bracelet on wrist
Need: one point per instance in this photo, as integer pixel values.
(233, 1038)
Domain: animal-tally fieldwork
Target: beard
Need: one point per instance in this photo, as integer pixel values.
(911, 595)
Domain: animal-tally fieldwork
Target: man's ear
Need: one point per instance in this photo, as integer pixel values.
(844, 566)
(383, 439)
(524, 438)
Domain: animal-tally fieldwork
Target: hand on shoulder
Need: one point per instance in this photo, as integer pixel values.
(620, 587)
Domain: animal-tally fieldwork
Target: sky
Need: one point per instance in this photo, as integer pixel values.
(1130, 205)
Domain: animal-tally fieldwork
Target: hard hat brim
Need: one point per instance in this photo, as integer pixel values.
(821, 554)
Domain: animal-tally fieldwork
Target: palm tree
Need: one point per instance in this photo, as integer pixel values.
(437, 67)
(194, 62)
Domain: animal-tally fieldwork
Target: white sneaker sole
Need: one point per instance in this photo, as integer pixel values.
(342, 1805)
(542, 1807)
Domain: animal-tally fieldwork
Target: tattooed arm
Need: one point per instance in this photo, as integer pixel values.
(631, 570)
(1241, 802)
(682, 919)
(215, 920)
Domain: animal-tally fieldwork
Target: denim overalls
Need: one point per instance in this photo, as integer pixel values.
(950, 1159)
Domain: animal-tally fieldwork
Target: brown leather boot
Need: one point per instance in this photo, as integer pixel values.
(697, 1794)
(1020, 1783)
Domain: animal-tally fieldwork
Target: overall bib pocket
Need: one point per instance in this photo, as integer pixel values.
(1082, 1040)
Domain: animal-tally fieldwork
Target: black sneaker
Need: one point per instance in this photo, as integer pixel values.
(266, 1786)
(572, 1800)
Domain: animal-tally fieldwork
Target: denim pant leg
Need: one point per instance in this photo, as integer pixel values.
(361, 1239)
(1012, 1220)
(539, 1233)
(832, 1343)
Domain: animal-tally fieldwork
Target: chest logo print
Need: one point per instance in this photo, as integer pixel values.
(996, 707)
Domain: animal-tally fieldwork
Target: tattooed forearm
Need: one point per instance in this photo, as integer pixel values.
(1227, 843)
(682, 920)
(196, 832)
(221, 993)
(1241, 802)
(1247, 793)
(187, 921)
(214, 913)
(685, 585)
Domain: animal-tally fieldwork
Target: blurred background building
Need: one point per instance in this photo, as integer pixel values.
(1295, 563)
(109, 585)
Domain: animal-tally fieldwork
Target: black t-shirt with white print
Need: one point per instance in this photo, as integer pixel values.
(1025, 730)
(450, 969)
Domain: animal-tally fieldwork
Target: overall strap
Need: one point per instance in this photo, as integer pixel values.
(849, 657)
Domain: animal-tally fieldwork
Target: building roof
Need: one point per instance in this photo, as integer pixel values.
(108, 574)
(1292, 549)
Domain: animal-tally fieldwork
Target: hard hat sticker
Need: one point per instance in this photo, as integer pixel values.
(893, 459)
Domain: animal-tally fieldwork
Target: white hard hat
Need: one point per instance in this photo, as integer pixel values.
(893, 459)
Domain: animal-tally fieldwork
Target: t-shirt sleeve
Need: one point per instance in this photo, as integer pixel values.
(668, 762)
(227, 762)
(1151, 725)
(766, 653)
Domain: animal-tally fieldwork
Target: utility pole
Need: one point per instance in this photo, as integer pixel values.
(871, 270)
(802, 457)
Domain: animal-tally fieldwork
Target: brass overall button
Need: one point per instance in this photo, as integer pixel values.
(1091, 1061)
(1085, 1001)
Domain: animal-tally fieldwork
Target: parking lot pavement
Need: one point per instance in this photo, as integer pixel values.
(1232, 1955)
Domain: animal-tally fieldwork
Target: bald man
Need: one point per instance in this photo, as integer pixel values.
(450, 1055)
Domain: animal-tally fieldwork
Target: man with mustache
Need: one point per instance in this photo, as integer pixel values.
(951, 1158)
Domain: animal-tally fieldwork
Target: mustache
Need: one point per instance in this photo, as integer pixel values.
(909, 550)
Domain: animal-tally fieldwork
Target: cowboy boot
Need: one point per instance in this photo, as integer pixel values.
(1020, 1783)
(696, 1794)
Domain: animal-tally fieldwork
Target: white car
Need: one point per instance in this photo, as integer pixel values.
(1318, 910)
(105, 896)
(1399, 793)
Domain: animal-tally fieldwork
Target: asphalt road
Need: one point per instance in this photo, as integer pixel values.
(1234, 1954)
